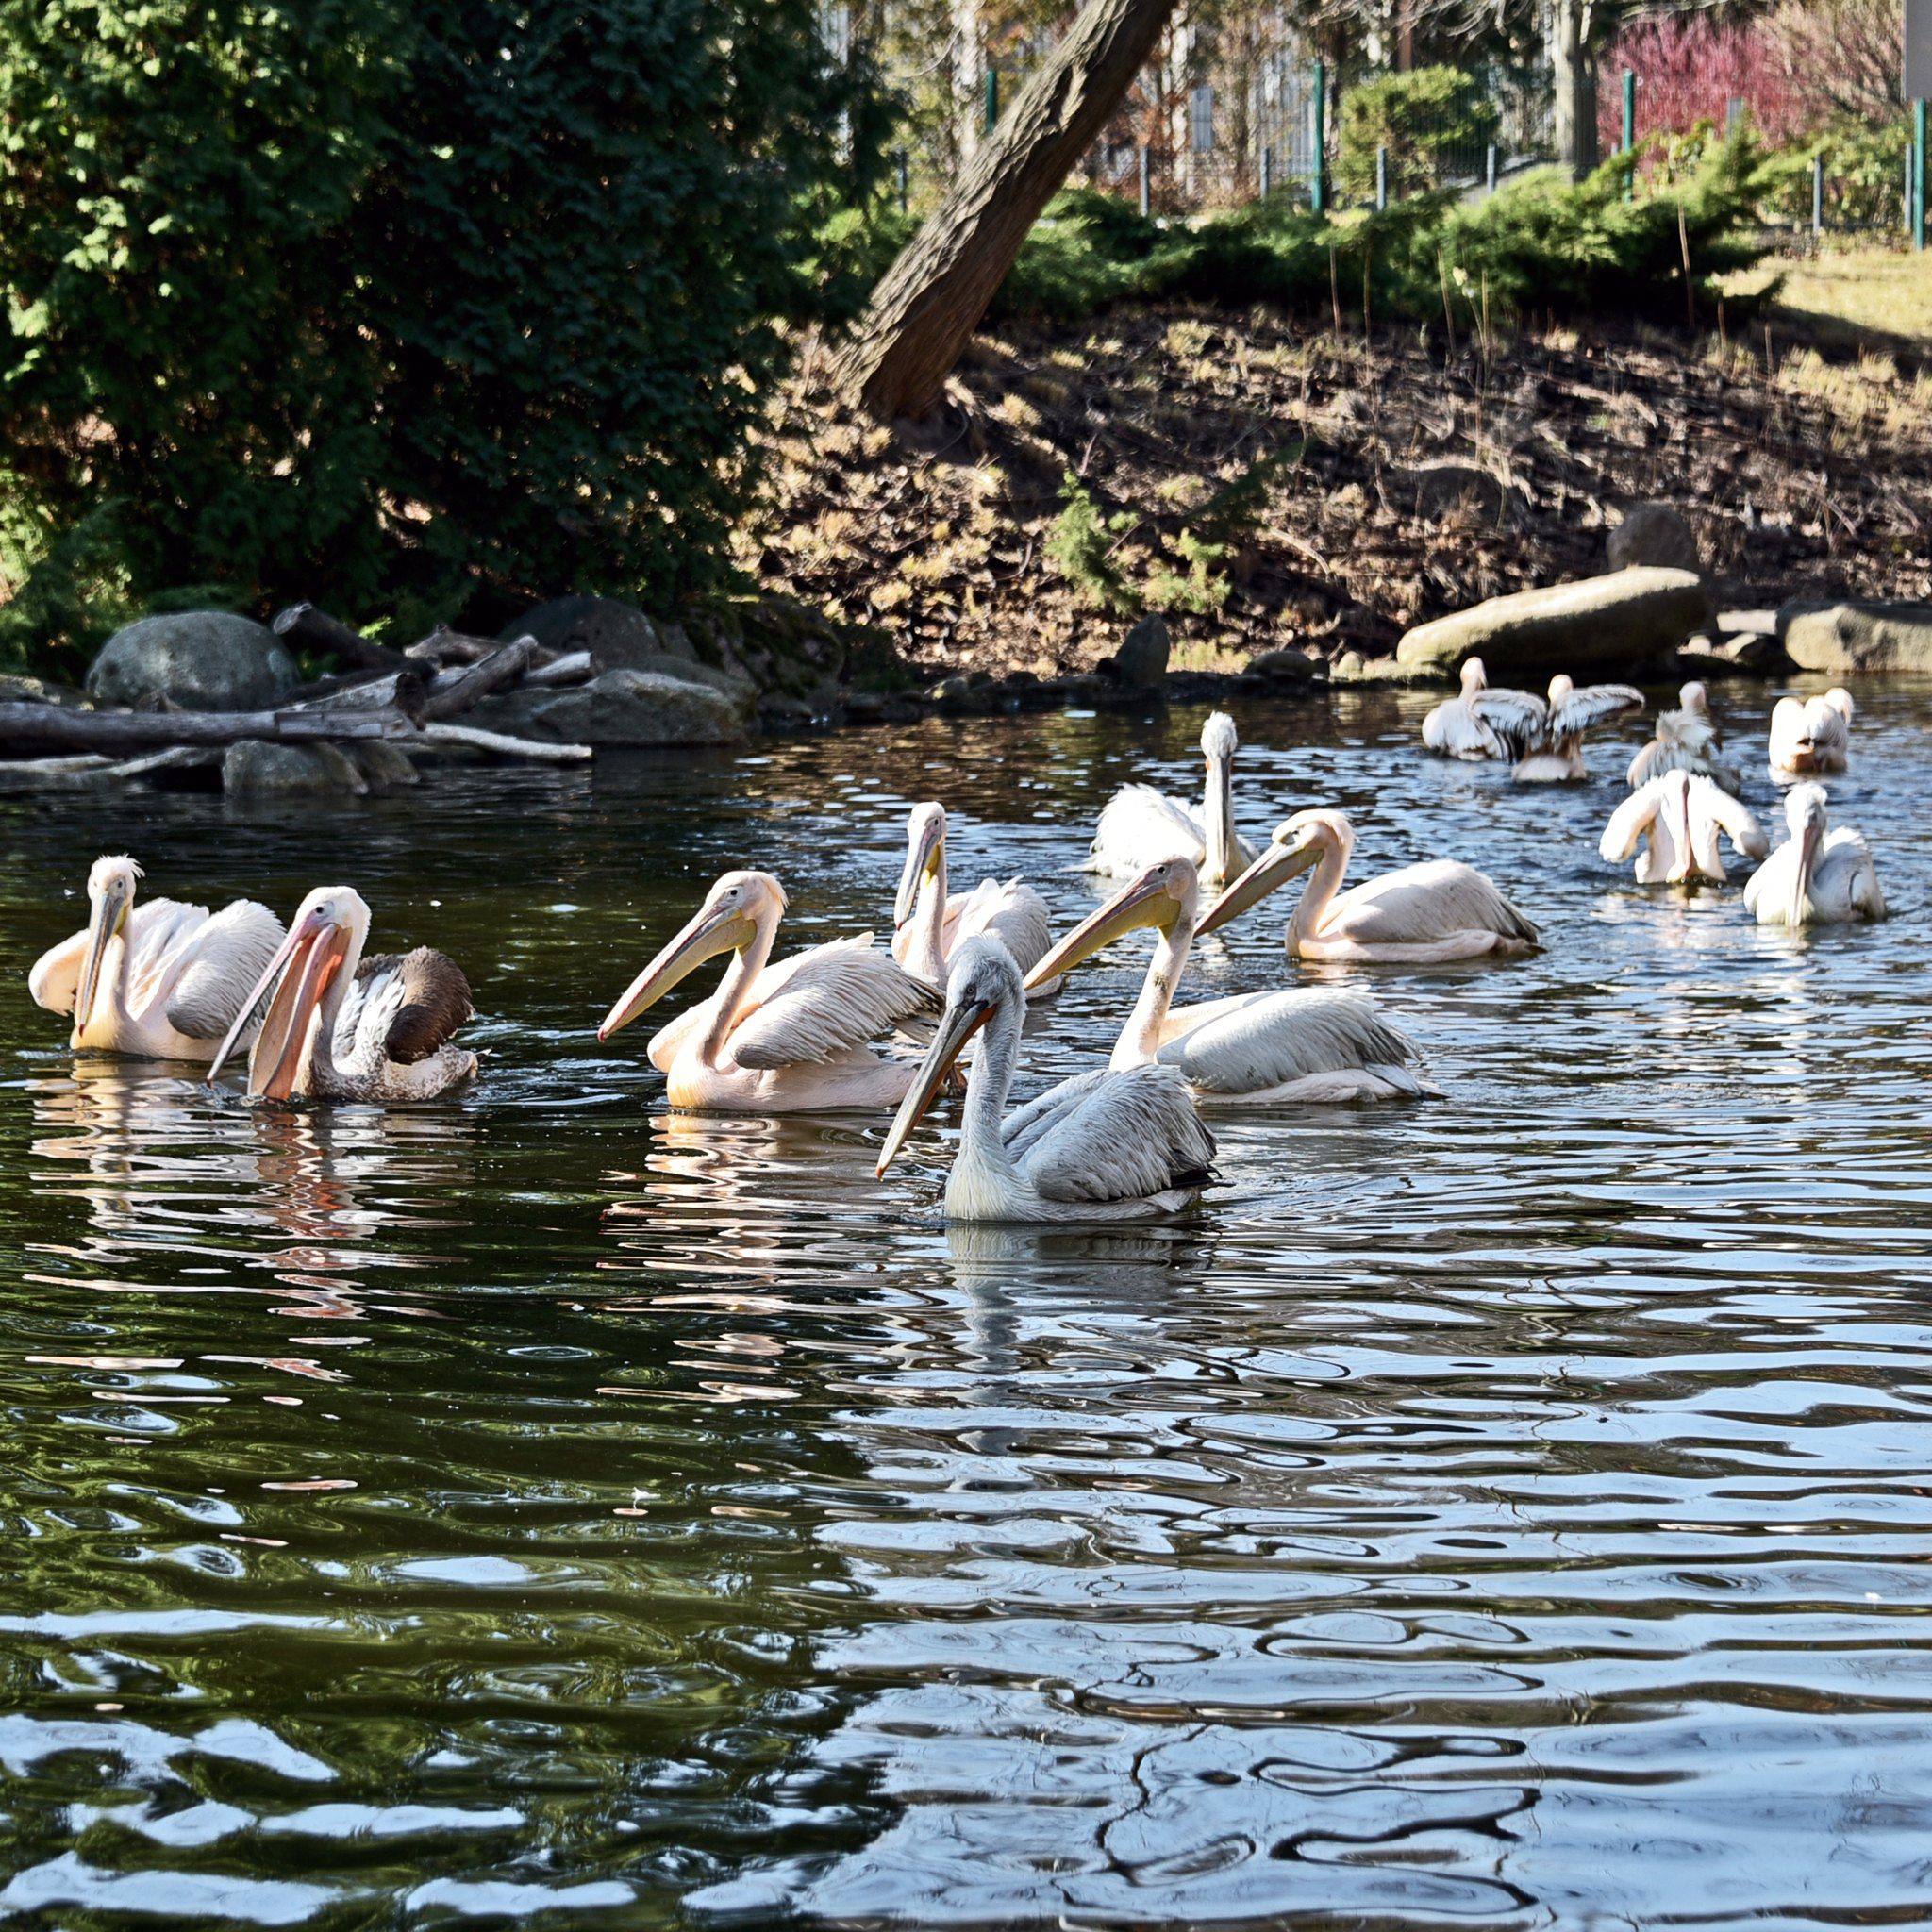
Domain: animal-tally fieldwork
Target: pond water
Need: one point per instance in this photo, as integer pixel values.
(1507, 1510)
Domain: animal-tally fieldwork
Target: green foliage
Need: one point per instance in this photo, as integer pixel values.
(1434, 121)
(365, 301)
(1197, 587)
(1082, 546)
(1864, 176)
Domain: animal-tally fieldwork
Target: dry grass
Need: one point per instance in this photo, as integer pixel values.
(1841, 297)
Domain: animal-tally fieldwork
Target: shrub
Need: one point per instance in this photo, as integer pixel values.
(1082, 546)
(360, 300)
(1434, 121)
(1864, 176)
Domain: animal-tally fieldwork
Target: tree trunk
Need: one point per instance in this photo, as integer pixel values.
(59, 729)
(932, 298)
(969, 84)
(1575, 61)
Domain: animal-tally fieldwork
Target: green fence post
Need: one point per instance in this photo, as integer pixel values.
(992, 96)
(1919, 174)
(1629, 129)
(1317, 179)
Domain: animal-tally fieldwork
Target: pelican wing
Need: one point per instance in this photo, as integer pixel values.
(1131, 1134)
(825, 1002)
(1591, 704)
(54, 978)
(1846, 875)
(1711, 802)
(217, 966)
(1022, 1128)
(1518, 720)
(1417, 904)
(1012, 913)
(1254, 1042)
(419, 999)
(1632, 819)
(1455, 731)
(1141, 826)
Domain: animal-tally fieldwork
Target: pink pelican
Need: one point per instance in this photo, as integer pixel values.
(160, 979)
(338, 1027)
(929, 924)
(794, 1037)
(1814, 878)
(1686, 739)
(1546, 736)
(1453, 727)
(1115, 1144)
(1678, 817)
(1810, 738)
(1418, 915)
(1141, 826)
(1252, 1049)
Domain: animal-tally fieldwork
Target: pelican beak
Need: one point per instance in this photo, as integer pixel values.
(1684, 868)
(1275, 866)
(317, 945)
(1145, 902)
(957, 1026)
(713, 931)
(106, 917)
(922, 862)
(1800, 874)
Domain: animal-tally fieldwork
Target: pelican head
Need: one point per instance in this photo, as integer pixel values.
(1474, 677)
(1159, 897)
(1805, 814)
(1218, 746)
(1695, 699)
(925, 852)
(983, 978)
(1299, 842)
(1562, 685)
(110, 885)
(734, 909)
(1218, 740)
(325, 937)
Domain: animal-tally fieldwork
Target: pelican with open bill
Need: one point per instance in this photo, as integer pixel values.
(1115, 1144)
(338, 1027)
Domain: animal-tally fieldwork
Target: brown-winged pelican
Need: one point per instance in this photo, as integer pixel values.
(1811, 737)
(1815, 878)
(1679, 816)
(1546, 736)
(1141, 826)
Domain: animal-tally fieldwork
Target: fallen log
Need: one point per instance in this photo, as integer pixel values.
(455, 691)
(303, 624)
(473, 739)
(572, 667)
(403, 691)
(88, 770)
(54, 728)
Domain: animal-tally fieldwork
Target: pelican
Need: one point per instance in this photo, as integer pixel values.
(339, 1026)
(1812, 879)
(794, 1037)
(1546, 736)
(1115, 1144)
(1686, 739)
(930, 924)
(1680, 815)
(160, 979)
(1811, 737)
(1417, 915)
(1249, 1050)
(1141, 826)
(1453, 727)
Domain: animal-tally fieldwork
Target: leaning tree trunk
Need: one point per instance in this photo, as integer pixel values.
(932, 298)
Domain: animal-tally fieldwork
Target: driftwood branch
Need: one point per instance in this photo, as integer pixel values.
(406, 690)
(88, 770)
(455, 691)
(469, 736)
(572, 667)
(303, 624)
(55, 729)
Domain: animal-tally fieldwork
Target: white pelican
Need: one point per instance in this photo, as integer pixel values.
(1811, 737)
(1416, 915)
(1108, 1145)
(1453, 727)
(1686, 739)
(1251, 1049)
(160, 979)
(1546, 736)
(1680, 815)
(1141, 826)
(339, 1026)
(1812, 879)
(786, 1038)
(930, 925)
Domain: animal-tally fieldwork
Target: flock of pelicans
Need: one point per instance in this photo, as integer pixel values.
(818, 1030)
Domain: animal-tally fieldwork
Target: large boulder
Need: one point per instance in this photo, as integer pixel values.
(256, 769)
(1654, 535)
(1843, 639)
(1601, 623)
(197, 660)
(1140, 663)
(621, 707)
(613, 632)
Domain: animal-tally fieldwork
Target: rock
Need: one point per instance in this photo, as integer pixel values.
(1347, 667)
(256, 769)
(1654, 535)
(1284, 667)
(1140, 663)
(1844, 639)
(1599, 623)
(614, 633)
(384, 767)
(198, 660)
(618, 708)
(17, 690)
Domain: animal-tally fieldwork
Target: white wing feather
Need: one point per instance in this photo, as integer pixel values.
(825, 1002)
(54, 978)
(219, 964)
(1009, 910)
(1254, 1042)
(1455, 731)
(1591, 704)
(1417, 903)
(1630, 822)
(1140, 828)
(1132, 1134)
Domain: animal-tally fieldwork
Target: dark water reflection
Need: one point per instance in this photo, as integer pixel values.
(538, 1508)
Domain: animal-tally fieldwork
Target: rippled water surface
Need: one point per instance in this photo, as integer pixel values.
(1510, 1509)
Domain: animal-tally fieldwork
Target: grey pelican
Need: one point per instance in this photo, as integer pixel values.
(1546, 736)
(1141, 826)
(793, 1037)
(1108, 1145)
(1423, 914)
(159, 978)
(1815, 878)
(1678, 817)
(338, 1027)
(930, 924)
(1810, 738)
(1686, 739)
(1251, 1049)
(1453, 727)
